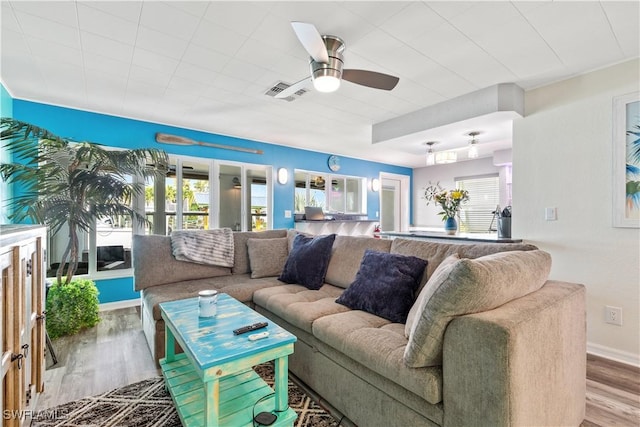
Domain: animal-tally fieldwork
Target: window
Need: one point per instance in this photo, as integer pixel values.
(334, 194)
(484, 195)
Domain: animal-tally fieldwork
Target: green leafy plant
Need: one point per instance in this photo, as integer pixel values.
(64, 183)
(71, 307)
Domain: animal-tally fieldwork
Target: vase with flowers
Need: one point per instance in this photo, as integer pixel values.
(450, 202)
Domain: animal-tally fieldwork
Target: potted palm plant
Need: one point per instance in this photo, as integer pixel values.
(69, 186)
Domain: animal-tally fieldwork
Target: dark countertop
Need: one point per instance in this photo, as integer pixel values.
(460, 237)
(336, 220)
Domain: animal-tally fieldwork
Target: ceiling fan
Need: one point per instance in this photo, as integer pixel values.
(326, 65)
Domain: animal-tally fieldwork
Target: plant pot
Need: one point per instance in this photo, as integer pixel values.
(451, 226)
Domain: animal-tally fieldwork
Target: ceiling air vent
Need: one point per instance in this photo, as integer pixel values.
(279, 87)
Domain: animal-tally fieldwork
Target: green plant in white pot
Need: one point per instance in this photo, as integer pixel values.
(69, 186)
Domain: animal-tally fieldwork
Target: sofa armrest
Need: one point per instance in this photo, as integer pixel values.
(521, 364)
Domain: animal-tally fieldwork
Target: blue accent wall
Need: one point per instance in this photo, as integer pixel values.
(113, 290)
(127, 133)
(6, 190)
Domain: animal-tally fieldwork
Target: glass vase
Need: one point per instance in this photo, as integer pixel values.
(451, 226)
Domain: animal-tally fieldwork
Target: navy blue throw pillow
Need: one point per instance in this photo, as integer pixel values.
(308, 260)
(385, 285)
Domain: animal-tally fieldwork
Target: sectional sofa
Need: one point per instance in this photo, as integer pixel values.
(489, 340)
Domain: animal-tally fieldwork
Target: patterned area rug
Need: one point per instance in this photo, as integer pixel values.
(148, 404)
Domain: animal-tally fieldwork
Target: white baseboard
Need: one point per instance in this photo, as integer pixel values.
(614, 354)
(119, 304)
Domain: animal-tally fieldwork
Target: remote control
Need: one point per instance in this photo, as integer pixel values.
(250, 328)
(256, 337)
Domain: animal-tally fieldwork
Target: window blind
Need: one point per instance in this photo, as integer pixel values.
(484, 196)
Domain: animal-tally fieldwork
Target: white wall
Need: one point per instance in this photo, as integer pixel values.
(562, 157)
(427, 216)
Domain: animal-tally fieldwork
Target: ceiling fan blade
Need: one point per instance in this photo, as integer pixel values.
(302, 84)
(371, 79)
(311, 40)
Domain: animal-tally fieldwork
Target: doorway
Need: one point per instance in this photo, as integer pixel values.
(394, 202)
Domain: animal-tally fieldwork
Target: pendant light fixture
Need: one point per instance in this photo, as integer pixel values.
(431, 156)
(473, 145)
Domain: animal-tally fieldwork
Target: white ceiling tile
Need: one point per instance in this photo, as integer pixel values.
(62, 12)
(106, 25)
(276, 31)
(13, 43)
(93, 61)
(153, 77)
(65, 80)
(450, 9)
(168, 20)
(259, 53)
(161, 43)
(106, 47)
(127, 10)
(193, 72)
(217, 38)
(222, 82)
(53, 52)
(519, 48)
(188, 86)
(21, 75)
(243, 70)
(624, 20)
(484, 15)
(144, 87)
(195, 8)
(154, 61)
(37, 27)
(206, 58)
(413, 19)
(439, 41)
(376, 12)
(8, 19)
(241, 17)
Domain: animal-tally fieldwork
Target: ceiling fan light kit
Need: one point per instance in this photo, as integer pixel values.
(326, 64)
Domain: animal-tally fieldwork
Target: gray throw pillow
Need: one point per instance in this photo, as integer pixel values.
(267, 256)
(471, 286)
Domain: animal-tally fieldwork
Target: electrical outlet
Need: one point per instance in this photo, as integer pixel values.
(613, 315)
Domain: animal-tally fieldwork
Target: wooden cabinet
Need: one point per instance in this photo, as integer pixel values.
(22, 252)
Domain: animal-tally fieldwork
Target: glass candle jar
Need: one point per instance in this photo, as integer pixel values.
(207, 303)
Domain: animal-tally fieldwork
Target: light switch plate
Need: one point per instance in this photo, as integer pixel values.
(287, 214)
(550, 214)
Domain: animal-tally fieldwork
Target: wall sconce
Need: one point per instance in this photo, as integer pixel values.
(236, 182)
(375, 185)
(283, 176)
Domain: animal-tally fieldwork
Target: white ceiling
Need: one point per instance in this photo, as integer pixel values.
(207, 65)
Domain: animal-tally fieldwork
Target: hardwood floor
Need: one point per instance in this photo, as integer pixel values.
(115, 353)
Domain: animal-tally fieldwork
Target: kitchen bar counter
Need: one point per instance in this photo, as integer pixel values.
(456, 238)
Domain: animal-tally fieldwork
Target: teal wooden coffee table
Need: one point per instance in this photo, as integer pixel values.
(212, 383)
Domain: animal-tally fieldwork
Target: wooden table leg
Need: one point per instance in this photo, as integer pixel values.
(281, 383)
(211, 402)
(169, 345)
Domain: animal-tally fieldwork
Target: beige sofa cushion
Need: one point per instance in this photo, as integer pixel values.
(471, 286)
(267, 256)
(378, 345)
(298, 305)
(241, 251)
(346, 256)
